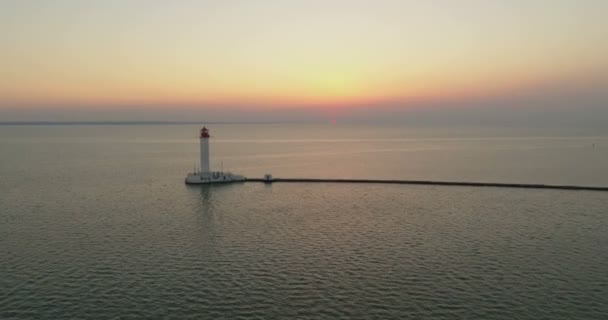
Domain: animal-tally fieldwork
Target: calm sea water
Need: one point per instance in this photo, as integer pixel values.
(96, 222)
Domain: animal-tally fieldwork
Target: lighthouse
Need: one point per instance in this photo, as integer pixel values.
(204, 137)
(204, 175)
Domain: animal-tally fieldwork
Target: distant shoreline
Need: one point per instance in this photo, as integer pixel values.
(119, 123)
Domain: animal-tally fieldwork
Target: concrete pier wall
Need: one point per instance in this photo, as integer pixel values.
(430, 183)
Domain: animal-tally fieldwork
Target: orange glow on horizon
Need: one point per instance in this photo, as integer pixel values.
(326, 90)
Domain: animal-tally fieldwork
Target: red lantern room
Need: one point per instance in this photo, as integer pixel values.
(204, 133)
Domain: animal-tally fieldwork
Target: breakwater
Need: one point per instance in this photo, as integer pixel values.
(430, 183)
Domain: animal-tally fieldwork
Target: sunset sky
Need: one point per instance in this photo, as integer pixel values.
(78, 59)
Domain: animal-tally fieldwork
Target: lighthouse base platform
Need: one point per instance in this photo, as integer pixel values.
(213, 177)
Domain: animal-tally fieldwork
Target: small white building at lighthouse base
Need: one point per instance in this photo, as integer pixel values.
(213, 177)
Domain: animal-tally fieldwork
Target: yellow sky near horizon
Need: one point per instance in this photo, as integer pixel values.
(290, 53)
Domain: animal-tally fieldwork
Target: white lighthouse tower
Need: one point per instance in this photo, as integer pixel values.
(204, 174)
(204, 137)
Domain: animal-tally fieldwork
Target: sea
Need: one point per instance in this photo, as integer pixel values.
(97, 223)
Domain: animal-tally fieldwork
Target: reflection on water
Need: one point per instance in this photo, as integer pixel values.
(206, 200)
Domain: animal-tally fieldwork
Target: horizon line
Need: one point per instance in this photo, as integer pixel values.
(42, 123)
